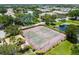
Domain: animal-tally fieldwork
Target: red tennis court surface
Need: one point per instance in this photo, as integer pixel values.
(42, 38)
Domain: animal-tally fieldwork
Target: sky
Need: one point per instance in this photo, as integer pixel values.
(39, 1)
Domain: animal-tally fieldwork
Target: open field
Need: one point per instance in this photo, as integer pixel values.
(64, 48)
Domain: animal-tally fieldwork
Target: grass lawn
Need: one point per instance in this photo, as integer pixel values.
(76, 22)
(73, 22)
(64, 48)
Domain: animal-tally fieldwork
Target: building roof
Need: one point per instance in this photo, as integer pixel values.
(2, 34)
(60, 12)
(42, 38)
(10, 12)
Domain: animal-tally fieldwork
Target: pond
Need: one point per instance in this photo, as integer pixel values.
(62, 27)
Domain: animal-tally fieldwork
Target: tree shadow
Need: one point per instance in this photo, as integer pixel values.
(71, 39)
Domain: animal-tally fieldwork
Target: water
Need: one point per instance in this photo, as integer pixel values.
(62, 27)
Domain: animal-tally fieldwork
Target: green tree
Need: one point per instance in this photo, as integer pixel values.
(12, 30)
(27, 19)
(17, 41)
(9, 49)
(19, 10)
(12, 39)
(18, 19)
(20, 41)
(39, 52)
(6, 20)
(3, 10)
(74, 13)
(49, 19)
(36, 13)
(75, 49)
(72, 31)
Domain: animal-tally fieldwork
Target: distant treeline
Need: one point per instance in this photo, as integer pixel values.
(39, 5)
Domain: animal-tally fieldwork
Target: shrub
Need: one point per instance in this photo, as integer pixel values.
(39, 52)
(12, 30)
(71, 33)
(28, 47)
(9, 49)
(25, 49)
(12, 39)
(75, 49)
(20, 41)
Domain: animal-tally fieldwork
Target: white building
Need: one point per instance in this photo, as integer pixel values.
(44, 9)
(60, 12)
(2, 36)
(29, 12)
(10, 12)
(48, 13)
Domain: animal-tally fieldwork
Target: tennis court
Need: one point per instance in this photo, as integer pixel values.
(42, 38)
